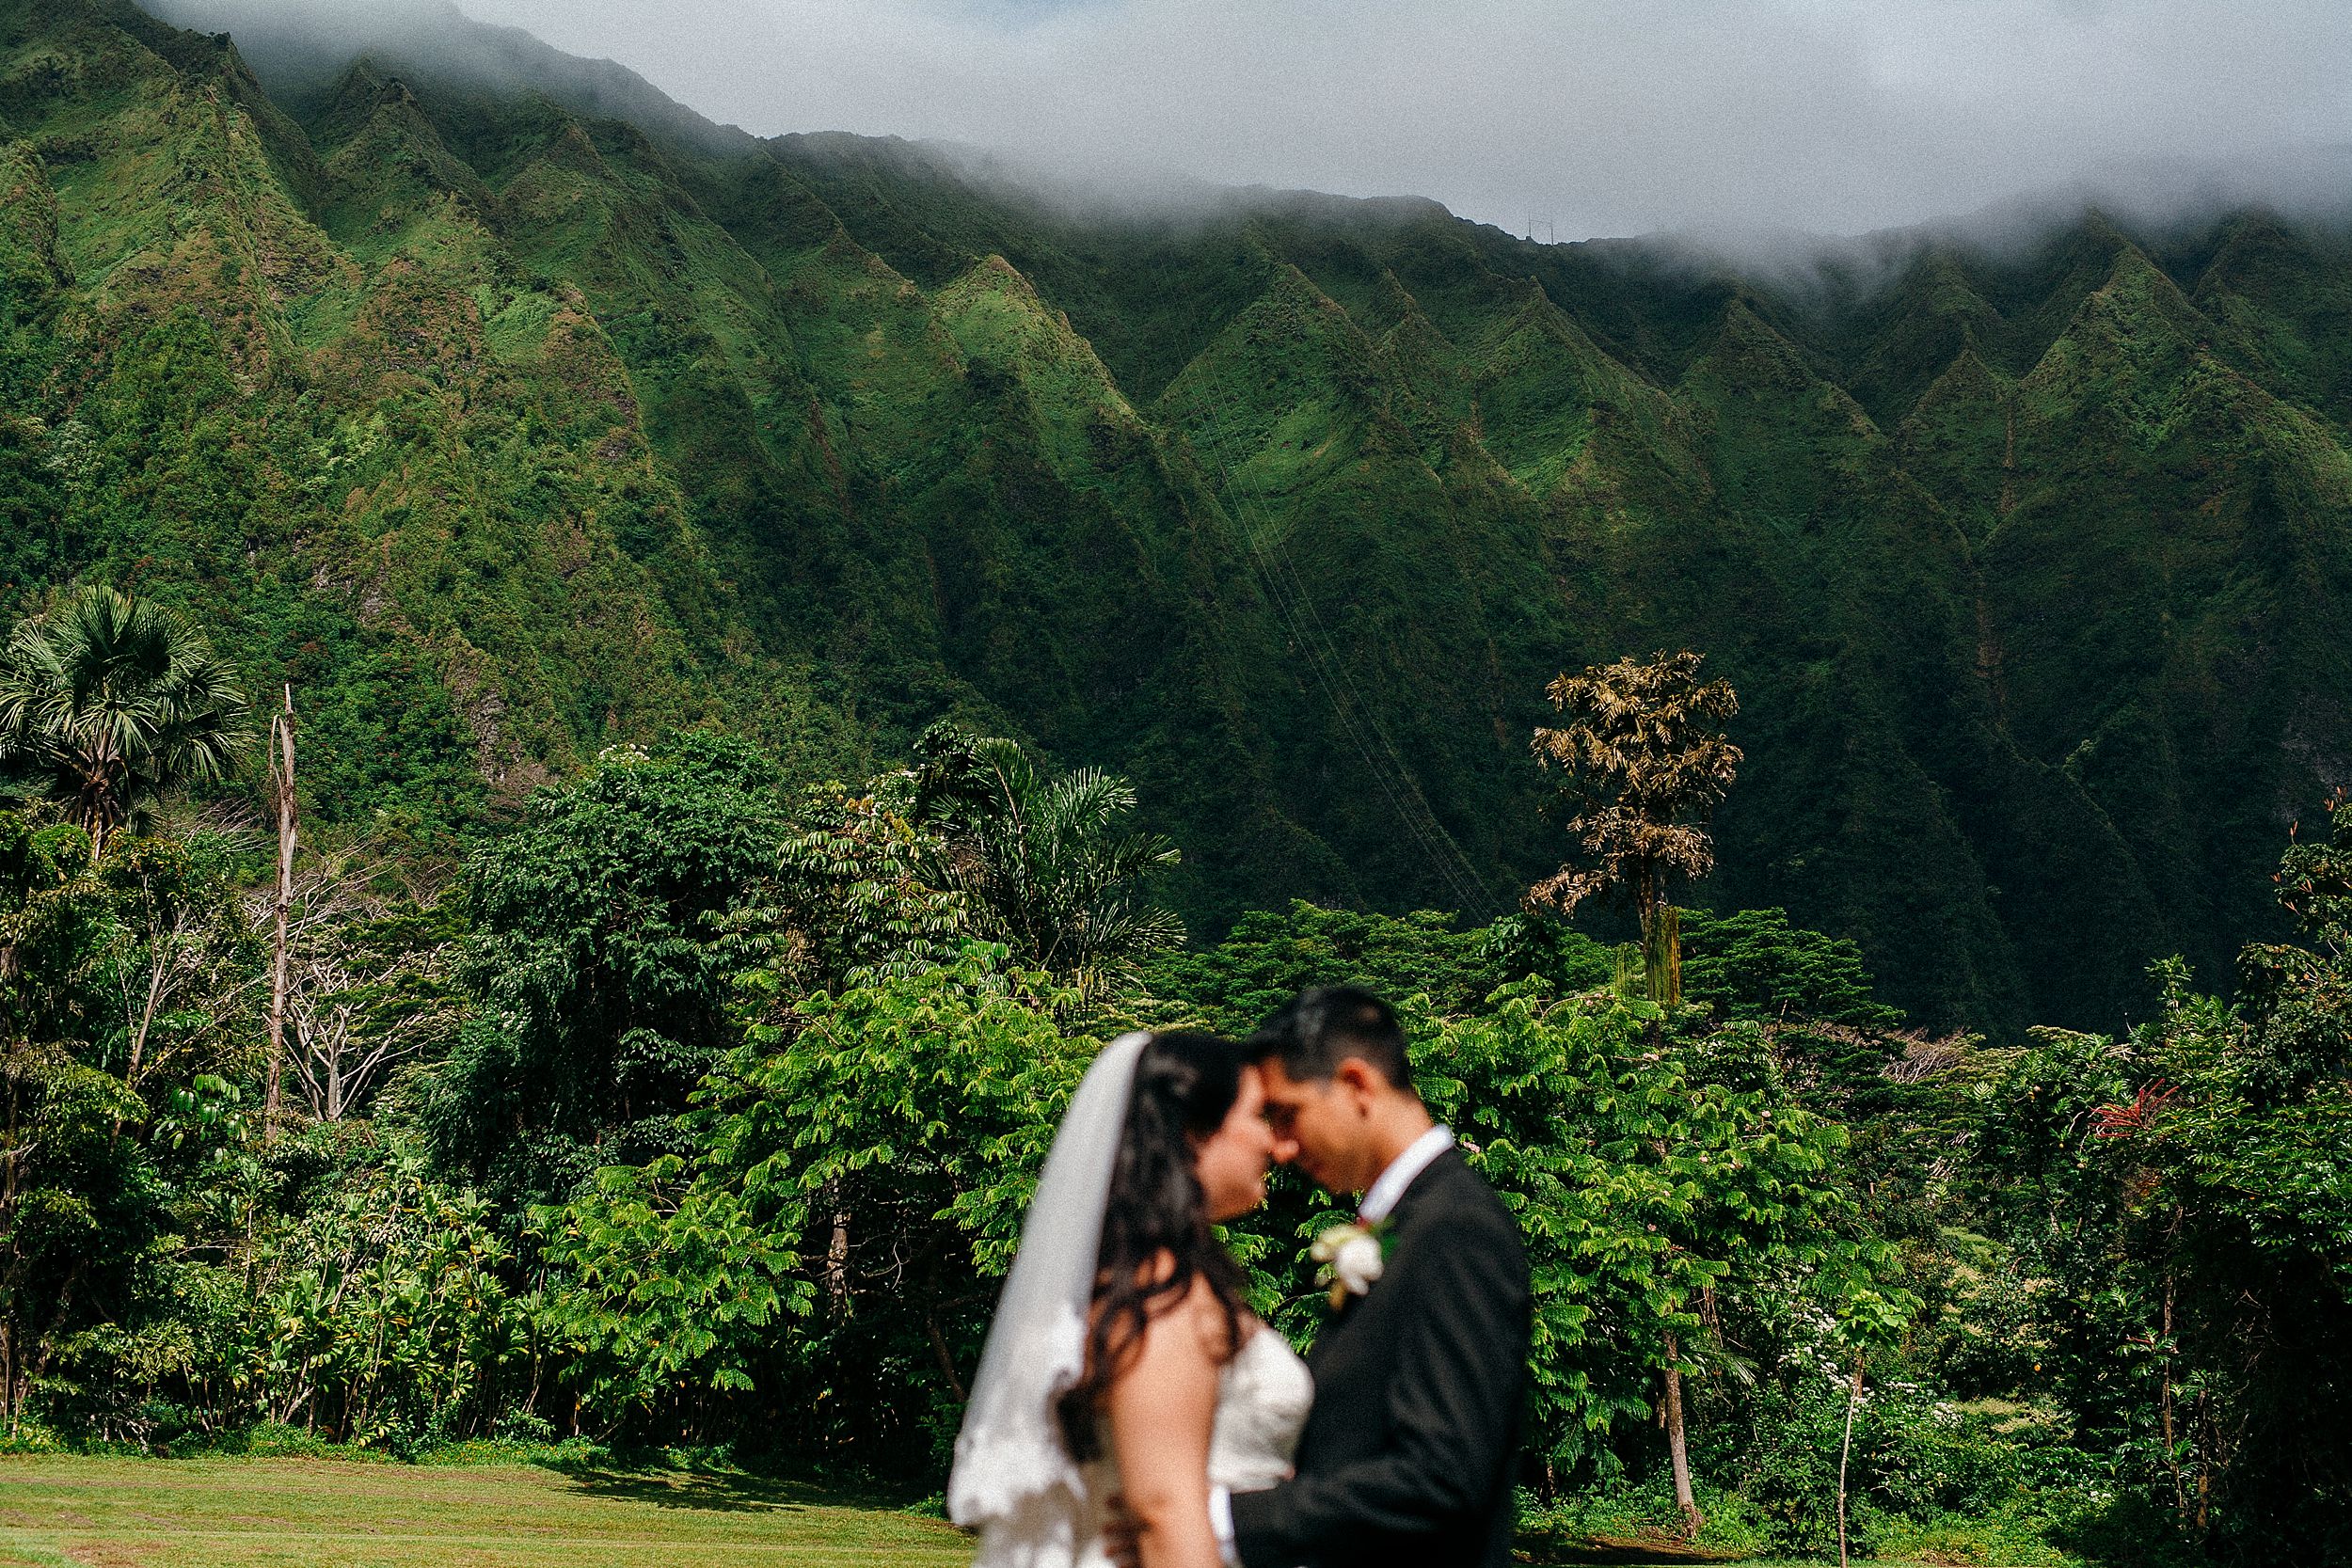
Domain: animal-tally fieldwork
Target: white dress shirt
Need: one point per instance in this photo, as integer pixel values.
(1380, 1200)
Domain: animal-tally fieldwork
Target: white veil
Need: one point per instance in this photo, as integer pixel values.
(1013, 1481)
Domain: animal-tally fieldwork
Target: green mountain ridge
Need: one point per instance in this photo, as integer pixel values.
(508, 430)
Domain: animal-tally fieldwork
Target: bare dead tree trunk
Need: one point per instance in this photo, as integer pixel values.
(1678, 1446)
(158, 966)
(1845, 1448)
(334, 1066)
(283, 787)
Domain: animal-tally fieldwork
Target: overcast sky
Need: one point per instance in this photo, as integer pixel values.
(1603, 117)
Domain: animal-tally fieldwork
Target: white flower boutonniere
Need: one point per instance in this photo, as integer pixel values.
(1353, 1257)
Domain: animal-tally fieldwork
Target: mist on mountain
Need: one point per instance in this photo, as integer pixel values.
(1607, 118)
(302, 48)
(516, 410)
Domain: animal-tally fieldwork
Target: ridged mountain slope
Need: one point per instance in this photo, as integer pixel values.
(507, 429)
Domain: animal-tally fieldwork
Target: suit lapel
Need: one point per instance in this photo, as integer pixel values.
(1351, 1312)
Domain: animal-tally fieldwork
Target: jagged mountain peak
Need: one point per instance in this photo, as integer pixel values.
(509, 420)
(300, 54)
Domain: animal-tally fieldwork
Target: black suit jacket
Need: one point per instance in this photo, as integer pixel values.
(1410, 1451)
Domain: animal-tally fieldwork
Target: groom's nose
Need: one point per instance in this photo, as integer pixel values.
(1285, 1150)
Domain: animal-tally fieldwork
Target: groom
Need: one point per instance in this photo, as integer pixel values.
(1409, 1452)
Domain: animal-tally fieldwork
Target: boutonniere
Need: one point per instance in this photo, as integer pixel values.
(1353, 1257)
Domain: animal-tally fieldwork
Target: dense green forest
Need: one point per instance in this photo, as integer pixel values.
(508, 409)
(785, 638)
(698, 1108)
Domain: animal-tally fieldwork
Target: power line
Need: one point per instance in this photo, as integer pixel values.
(1330, 645)
(1297, 610)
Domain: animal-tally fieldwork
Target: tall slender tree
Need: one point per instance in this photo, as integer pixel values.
(1645, 765)
(281, 789)
(109, 703)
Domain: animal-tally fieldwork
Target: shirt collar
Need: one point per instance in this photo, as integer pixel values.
(1381, 1198)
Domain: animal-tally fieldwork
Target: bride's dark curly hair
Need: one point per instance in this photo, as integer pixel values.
(1156, 1241)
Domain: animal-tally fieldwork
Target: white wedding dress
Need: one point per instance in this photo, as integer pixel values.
(1014, 1482)
(1262, 1396)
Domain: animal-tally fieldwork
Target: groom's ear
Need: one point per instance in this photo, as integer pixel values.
(1362, 1082)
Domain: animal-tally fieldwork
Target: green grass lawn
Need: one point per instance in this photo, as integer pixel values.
(324, 1513)
(58, 1511)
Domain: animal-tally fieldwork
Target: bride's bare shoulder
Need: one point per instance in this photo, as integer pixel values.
(1183, 1323)
(1218, 1332)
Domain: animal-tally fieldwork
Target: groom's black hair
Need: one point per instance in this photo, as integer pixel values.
(1321, 1028)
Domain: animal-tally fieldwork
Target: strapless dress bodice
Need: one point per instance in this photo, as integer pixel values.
(1263, 1397)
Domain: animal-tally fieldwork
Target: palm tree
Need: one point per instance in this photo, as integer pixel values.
(109, 703)
(1043, 860)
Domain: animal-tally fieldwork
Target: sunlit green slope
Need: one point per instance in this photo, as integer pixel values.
(305, 386)
(506, 428)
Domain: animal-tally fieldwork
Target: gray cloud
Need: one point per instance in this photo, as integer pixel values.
(1603, 117)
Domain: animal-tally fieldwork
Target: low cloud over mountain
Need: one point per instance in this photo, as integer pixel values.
(1598, 116)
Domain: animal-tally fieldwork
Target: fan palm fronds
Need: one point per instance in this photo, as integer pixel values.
(1045, 862)
(109, 703)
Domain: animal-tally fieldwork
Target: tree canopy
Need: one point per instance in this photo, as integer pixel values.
(109, 703)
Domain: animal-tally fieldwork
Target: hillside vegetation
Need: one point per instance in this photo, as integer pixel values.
(505, 431)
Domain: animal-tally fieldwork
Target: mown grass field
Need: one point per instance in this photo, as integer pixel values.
(60, 1511)
(323, 1513)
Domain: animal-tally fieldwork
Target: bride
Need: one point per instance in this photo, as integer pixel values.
(1122, 1360)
